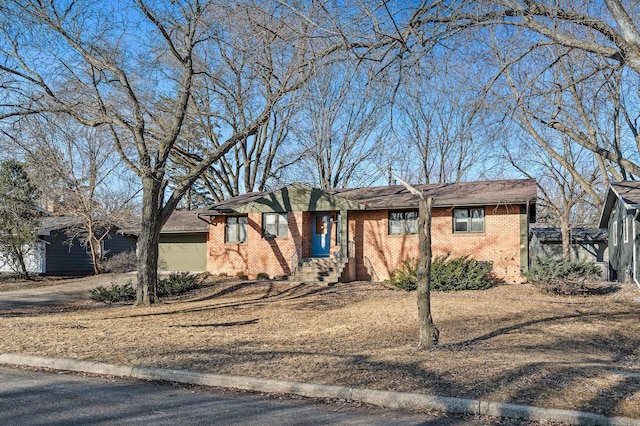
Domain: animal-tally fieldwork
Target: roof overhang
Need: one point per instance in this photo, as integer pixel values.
(609, 203)
(294, 197)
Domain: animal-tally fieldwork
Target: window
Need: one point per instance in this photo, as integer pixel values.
(625, 229)
(614, 232)
(403, 222)
(468, 220)
(275, 225)
(236, 229)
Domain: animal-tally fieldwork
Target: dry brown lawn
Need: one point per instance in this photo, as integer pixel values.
(510, 343)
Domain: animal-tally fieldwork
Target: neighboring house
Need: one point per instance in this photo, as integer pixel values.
(589, 244)
(366, 233)
(183, 243)
(53, 255)
(34, 260)
(621, 216)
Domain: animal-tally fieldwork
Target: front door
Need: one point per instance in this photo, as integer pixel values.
(321, 235)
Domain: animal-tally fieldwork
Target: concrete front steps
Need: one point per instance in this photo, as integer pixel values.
(317, 269)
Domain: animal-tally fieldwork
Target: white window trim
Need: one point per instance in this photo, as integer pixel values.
(625, 230)
(614, 232)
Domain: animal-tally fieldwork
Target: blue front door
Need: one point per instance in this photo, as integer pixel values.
(321, 235)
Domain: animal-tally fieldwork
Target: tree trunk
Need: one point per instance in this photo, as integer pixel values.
(565, 230)
(148, 240)
(20, 255)
(428, 333)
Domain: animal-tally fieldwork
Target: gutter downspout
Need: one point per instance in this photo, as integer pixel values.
(203, 219)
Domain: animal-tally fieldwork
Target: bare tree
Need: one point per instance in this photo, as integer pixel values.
(440, 127)
(83, 178)
(562, 200)
(428, 333)
(568, 106)
(338, 126)
(133, 71)
(224, 100)
(550, 42)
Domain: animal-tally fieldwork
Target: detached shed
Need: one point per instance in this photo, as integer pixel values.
(589, 244)
(586, 243)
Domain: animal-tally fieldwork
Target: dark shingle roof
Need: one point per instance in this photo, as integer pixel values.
(628, 191)
(519, 191)
(184, 221)
(231, 205)
(55, 223)
(554, 235)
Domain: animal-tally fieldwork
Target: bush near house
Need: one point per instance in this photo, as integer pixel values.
(405, 277)
(120, 263)
(178, 283)
(113, 293)
(447, 274)
(563, 276)
(175, 285)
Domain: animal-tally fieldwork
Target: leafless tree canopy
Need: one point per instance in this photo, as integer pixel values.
(89, 61)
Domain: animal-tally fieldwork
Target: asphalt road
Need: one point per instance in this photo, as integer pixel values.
(38, 398)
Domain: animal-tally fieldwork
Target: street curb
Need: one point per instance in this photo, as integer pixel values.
(396, 400)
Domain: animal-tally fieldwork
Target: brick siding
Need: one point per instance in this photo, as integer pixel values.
(374, 247)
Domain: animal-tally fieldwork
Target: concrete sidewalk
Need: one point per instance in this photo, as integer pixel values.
(395, 400)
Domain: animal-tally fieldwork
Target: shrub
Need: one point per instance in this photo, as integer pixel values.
(404, 277)
(177, 283)
(262, 276)
(242, 276)
(121, 262)
(113, 293)
(459, 273)
(562, 276)
(447, 274)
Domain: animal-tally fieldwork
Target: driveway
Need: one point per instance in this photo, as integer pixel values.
(71, 290)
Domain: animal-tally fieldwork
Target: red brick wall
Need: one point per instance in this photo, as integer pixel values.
(230, 259)
(258, 254)
(500, 243)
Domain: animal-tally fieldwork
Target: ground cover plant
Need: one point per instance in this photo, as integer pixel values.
(508, 343)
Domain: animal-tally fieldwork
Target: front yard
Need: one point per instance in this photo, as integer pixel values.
(510, 343)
